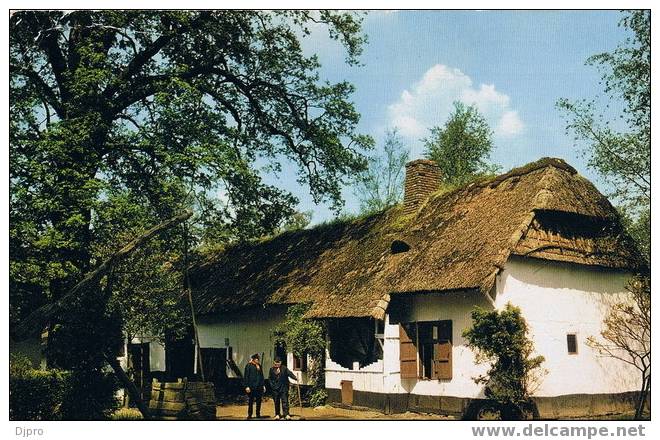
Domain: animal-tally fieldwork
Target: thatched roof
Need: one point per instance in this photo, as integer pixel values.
(457, 240)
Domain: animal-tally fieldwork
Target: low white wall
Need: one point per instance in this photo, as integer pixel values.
(368, 378)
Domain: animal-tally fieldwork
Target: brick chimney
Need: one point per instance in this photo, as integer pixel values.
(422, 179)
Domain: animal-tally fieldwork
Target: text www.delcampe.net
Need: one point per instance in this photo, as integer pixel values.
(552, 430)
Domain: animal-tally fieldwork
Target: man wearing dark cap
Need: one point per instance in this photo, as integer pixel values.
(278, 377)
(253, 380)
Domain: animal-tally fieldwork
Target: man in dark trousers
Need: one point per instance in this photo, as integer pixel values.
(253, 380)
(279, 383)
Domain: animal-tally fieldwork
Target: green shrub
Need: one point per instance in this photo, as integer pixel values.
(318, 397)
(34, 394)
(89, 395)
(305, 337)
(59, 395)
(500, 339)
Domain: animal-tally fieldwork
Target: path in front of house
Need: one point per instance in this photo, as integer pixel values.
(238, 411)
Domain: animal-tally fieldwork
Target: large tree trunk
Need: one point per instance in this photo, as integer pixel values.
(133, 391)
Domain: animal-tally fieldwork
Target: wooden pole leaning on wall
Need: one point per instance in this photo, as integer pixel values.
(186, 286)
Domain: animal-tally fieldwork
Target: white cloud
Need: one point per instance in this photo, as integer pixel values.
(510, 124)
(429, 101)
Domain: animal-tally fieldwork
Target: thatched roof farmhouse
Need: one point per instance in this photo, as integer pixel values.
(396, 290)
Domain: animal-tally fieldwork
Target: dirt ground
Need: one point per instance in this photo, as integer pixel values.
(238, 411)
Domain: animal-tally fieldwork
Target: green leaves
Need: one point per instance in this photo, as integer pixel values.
(500, 339)
(120, 118)
(462, 146)
(619, 146)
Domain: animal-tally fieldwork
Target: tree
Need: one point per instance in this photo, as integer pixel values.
(381, 184)
(500, 338)
(626, 334)
(462, 146)
(617, 140)
(161, 110)
(306, 337)
(619, 146)
(298, 220)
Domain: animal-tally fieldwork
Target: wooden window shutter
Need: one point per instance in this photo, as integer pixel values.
(442, 368)
(442, 352)
(407, 355)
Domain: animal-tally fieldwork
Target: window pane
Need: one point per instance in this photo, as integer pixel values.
(571, 341)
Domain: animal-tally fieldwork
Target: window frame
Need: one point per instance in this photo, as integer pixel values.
(299, 363)
(568, 345)
(431, 342)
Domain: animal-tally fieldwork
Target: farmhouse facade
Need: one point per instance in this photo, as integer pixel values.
(396, 290)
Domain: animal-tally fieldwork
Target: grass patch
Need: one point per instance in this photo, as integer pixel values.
(125, 414)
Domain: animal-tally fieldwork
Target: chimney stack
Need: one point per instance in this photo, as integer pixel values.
(422, 179)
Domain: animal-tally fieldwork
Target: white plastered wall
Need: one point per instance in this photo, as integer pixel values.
(560, 298)
(248, 333)
(555, 299)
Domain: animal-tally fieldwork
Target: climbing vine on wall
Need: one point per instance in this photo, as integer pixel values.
(304, 336)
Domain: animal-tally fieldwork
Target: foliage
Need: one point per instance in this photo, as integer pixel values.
(626, 333)
(119, 119)
(305, 337)
(500, 338)
(89, 395)
(34, 394)
(56, 394)
(318, 397)
(619, 147)
(126, 414)
(462, 146)
(301, 336)
(638, 226)
(298, 220)
(381, 184)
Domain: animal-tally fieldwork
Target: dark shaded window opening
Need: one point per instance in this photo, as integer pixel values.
(280, 352)
(300, 362)
(354, 340)
(399, 246)
(571, 342)
(432, 336)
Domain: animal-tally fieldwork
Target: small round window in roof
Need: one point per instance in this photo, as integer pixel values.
(399, 246)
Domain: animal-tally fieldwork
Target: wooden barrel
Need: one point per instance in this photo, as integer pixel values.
(182, 400)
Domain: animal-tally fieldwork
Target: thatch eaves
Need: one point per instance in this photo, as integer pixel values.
(458, 240)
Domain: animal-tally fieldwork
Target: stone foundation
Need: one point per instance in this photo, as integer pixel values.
(558, 407)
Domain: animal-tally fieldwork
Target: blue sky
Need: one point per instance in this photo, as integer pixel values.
(513, 65)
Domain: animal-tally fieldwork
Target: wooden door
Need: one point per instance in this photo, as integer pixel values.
(347, 392)
(215, 366)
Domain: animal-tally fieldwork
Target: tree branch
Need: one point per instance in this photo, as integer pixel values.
(44, 89)
(44, 313)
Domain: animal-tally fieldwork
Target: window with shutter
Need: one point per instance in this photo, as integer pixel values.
(407, 351)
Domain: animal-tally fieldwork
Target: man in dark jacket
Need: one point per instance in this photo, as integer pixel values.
(279, 383)
(253, 380)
